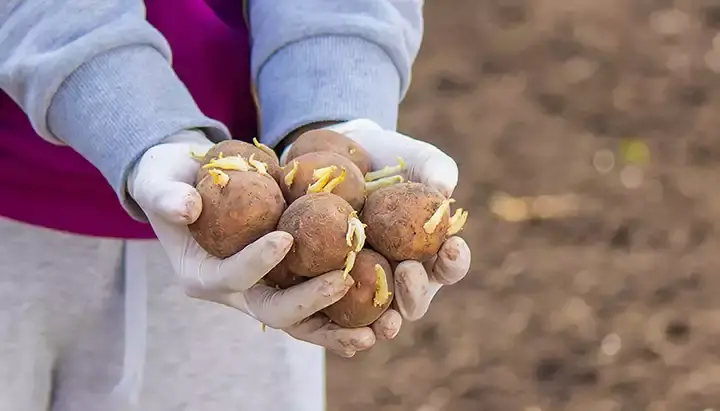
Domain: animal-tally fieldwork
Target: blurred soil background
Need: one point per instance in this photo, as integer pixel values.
(586, 133)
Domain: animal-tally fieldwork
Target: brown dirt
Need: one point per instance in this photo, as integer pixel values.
(610, 304)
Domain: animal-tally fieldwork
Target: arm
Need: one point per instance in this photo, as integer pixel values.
(95, 76)
(320, 61)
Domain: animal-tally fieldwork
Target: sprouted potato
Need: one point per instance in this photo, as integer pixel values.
(326, 231)
(410, 221)
(369, 297)
(240, 204)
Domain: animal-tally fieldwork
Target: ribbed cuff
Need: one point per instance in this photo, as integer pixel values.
(326, 78)
(119, 104)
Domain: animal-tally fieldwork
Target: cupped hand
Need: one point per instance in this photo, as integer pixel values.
(161, 183)
(416, 284)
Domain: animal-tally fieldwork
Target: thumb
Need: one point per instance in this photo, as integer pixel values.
(174, 201)
(243, 269)
(413, 290)
(283, 308)
(223, 280)
(161, 180)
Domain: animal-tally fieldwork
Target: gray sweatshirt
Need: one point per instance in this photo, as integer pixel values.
(95, 75)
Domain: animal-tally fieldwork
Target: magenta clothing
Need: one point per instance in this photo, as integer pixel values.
(54, 187)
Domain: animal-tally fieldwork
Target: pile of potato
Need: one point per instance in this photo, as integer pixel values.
(341, 214)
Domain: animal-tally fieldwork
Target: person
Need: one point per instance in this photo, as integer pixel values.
(106, 302)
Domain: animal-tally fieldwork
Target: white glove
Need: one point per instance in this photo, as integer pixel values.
(415, 284)
(162, 185)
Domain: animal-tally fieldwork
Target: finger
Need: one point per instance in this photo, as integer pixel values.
(342, 341)
(161, 170)
(176, 150)
(242, 270)
(452, 262)
(282, 308)
(174, 202)
(413, 290)
(436, 169)
(388, 325)
(344, 354)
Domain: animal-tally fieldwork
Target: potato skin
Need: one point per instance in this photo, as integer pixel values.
(281, 277)
(232, 217)
(395, 216)
(356, 308)
(352, 189)
(327, 140)
(241, 148)
(318, 223)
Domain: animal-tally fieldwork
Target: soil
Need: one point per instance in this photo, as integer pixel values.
(596, 289)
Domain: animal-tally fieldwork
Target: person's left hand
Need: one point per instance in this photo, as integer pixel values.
(415, 283)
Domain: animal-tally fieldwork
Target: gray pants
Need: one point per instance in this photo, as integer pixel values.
(90, 324)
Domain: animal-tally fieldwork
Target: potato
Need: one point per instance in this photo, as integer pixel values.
(229, 148)
(281, 277)
(369, 297)
(327, 172)
(327, 140)
(239, 206)
(326, 231)
(409, 221)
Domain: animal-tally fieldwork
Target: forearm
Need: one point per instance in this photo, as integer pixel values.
(95, 77)
(325, 60)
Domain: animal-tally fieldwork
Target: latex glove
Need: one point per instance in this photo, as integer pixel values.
(162, 185)
(416, 284)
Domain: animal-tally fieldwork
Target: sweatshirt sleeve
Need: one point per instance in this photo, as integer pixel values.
(331, 60)
(95, 76)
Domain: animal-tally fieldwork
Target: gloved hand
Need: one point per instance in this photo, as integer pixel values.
(415, 284)
(161, 183)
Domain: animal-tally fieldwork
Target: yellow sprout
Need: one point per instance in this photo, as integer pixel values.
(386, 171)
(355, 236)
(457, 221)
(382, 290)
(330, 186)
(349, 263)
(235, 163)
(290, 177)
(371, 186)
(219, 178)
(431, 225)
(321, 176)
(199, 156)
(267, 150)
(259, 165)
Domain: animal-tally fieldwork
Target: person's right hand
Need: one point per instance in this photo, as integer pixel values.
(161, 183)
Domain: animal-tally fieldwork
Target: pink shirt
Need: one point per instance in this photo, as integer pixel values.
(54, 187)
